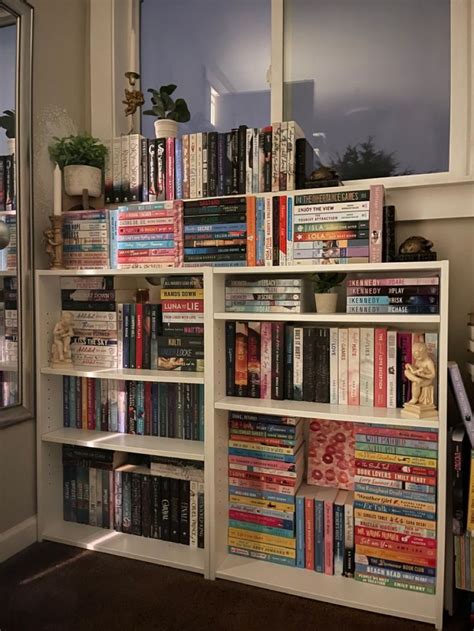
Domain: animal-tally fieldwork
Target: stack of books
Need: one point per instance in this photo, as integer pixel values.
(181, 345)
(343, 366)
(9, 321)
(215, 232)
(94, 312)
(395, 507)
(266, 467)
(134, 407)
(8, 260)
(85, 239)
(405, 294)
(125, 180)
(139, 329)
(266, 295)
(7, 183)
(146, 235)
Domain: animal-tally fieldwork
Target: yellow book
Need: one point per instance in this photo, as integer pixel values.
(395, 501)
(196, 294)
(414, 461)
(257, 546)
(395, 519)
(258, 503)
(402, 529)
(261, 537)
(389, 555)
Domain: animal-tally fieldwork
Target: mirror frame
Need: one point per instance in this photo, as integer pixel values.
(24, 409)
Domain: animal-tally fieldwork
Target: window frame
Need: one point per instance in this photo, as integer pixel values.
(119, 21)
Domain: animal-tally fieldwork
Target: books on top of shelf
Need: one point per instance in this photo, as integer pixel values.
(8, 260)
(345, 366)
(276, 295)
(86, 239)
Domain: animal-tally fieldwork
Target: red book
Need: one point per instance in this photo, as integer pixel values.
(283, 220)
(90, 403)
(139, 335)
(251, 232)
(380, 368)
(169, 186)
(309, 532)
(148, 408)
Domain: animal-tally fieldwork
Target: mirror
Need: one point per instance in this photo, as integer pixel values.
(16, 331)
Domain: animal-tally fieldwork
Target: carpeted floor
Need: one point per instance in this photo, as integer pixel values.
(50, 587)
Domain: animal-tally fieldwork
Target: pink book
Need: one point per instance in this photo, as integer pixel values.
(353, 394)
(328, 496)
(343, 365)
(266, 360)
(375, 223)
(380, 368)
(309, 532)
(331, 447)
(169, 183)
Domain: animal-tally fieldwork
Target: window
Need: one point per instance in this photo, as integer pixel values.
(369, 82)
(217, 52)
(7, 77)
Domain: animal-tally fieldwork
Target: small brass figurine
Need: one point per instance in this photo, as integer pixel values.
(323, 173)
(53, 242)
(415, 245)
(421, 373)
(62, 333)
(133, 98)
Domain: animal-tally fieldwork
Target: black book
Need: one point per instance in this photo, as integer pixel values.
(69, 472)
(160, 144)
(230, 357)
(155, 531)
(212, 140)
(228, 158)
(205, 258)
(2, 182)
(184, 502)
(220, 164)
(322, 394)
(146, 341)
(146, 505)
(126, 501)
(303, 162)
(182, 282)
(132, 344)
(201, 510)
(289, 362)
(348, 563)
(309, 363)
(460, 464)
(151, 176)
(136, 527)
(235, 162)
(106, 499)
(73, 493)
(278, 360)
(174, 509)
(267, 163)
(253, 359)
(388, 234)
(88, 305)
(276, 229)
(205, 164)
(165, 509)
(9, 183)
(208, 219)
(241, 165)
(82, 492)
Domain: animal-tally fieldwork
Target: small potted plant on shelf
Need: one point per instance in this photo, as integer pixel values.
(324, 284)
(81, 158)
(167, 111)
(7, 122)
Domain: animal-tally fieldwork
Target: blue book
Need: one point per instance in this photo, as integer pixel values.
(113, 238)
(289, 228)
(140, 407)
(266, 455)
(85, 248)
(260, 230)
(339, 533)
(220, 163)
(318, 534)
(72, 402)
(300, 540)
(178, 162)
(146, 245)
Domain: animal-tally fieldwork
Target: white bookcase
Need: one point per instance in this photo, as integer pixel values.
(214, 561)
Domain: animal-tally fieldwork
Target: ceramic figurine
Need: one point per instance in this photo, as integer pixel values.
(62, 333)
(421, 373)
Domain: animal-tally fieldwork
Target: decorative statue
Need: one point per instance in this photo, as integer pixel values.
(133, 98)
(421, 373)
(415, 245)
(53, 242)
(62, 333)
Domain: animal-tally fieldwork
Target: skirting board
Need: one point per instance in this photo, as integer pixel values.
(17, 538)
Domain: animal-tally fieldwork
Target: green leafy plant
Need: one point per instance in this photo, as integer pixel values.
(80, 149)
(7, 122)
(163, 106)
(324, 281)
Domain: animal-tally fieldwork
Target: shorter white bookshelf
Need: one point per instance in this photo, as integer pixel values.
(129, 374)
(348, 318)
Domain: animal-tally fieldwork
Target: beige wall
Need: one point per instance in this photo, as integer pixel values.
(59, 107)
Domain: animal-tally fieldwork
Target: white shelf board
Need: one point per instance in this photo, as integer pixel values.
(10, 272)
(9, 366)
(332, 589)
(132, 443)
(129, 374)
(130, 546)
(158, 271)
(346, 267)
(305, 409)
(369, 318)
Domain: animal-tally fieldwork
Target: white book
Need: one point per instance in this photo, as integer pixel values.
(125, 157)
(298, 363)
(353, 394)
(205, 169)
(135, 141)
(333, 366)
(98, 316)
(186, 166)
(193, 513)
(192, 166)
(294, 133)
(199, 165)
(276, 135)
(283, 174)
(268, 222)
(366, 367)
(391, 369)
(343, 366)
(249, 161)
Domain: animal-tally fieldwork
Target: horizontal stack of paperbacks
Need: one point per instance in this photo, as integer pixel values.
(368, 509)
(267, 295)
(172, 410)
(8, 260)
(346, 366)
(322, 228)
(7, 183)
(8, 341)
(207, 164)
(405, 294)
(158, 498)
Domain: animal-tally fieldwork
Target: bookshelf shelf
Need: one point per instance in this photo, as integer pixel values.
(9, 366)
(368, 318)
(331, 589)
(130, 374)
(155, 271)
(353, 268)
(304, 409)
(131, 443)
(10, 272)
(125, 545)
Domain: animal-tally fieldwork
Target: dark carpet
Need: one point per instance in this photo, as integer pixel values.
(53, 587)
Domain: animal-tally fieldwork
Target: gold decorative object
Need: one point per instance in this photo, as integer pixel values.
(421, 373)
(53, 242)
(133, 98)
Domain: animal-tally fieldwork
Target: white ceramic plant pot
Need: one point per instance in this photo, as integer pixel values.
(11, 145)
(77, 177)
(166, 128)
(326, 303)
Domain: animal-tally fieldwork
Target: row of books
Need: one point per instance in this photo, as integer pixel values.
(8, 260)
(266, 467)
(9, 320)
(160, 499)
(207, 164)
(267, 295)
(171, 410)
(464, 561)
(395, 507)
(342, 366)
(7, 183)
(406, 294)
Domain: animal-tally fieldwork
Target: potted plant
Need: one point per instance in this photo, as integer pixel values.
(324, 284)
(168, 112)
(81, 158)
(7, 122)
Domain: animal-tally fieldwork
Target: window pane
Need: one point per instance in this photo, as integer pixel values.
(217, 52)
(369, 82)
(7, 79)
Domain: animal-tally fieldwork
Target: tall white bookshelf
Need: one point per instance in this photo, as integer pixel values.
(214, 562)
